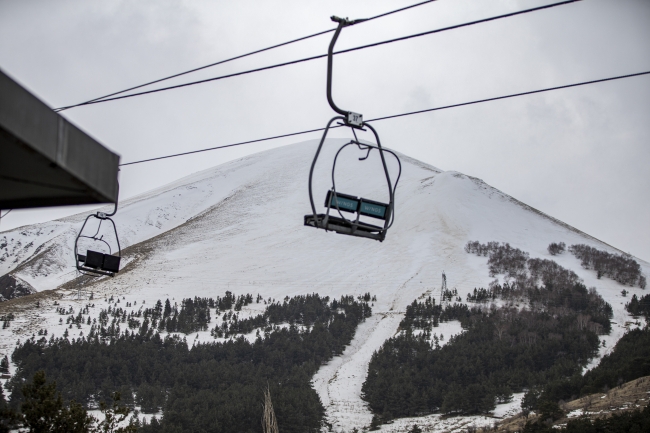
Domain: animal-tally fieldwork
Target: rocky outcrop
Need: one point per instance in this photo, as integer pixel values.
(13, 287)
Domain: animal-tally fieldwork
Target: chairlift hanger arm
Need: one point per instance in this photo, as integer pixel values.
(102, 215)
(351, 119)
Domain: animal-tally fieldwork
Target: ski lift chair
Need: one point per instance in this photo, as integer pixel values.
(358, 206)
(95, 263)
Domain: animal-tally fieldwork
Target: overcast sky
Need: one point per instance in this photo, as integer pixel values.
(581, 155)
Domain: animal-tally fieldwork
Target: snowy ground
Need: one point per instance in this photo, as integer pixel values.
(239, 227)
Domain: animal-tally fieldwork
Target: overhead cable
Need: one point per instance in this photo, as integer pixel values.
(392, 116)
(6, 213)
(241, 56)
(320, 56)
(531, 92)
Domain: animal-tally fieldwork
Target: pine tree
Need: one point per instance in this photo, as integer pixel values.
(43, 410)
(114, 416)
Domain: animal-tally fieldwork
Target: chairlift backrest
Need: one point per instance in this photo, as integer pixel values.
(346, 203)
(101, 261)
(363, 206)
(373, 209)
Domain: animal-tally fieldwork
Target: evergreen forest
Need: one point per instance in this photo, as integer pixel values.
(212, 387)
(629, 360)
(502, 349)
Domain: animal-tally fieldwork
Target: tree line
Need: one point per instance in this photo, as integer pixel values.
(501, 349)
(43, 410)
(513, 262)
(629, 360)
(619, 267)
(214, 386)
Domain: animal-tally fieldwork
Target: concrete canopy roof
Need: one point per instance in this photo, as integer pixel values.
(47, 161)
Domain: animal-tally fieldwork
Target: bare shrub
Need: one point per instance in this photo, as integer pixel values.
(507, 260)
(550, 273)
(619, 267)
(556, 248)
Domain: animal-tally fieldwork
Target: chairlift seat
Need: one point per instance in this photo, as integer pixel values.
(95, 261)
(340, 225)
(111, 263)
(352, 204)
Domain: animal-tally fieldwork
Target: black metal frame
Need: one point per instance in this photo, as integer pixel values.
(355, 121)
(80, 260)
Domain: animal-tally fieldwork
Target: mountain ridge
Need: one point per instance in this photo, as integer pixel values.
(238, 227)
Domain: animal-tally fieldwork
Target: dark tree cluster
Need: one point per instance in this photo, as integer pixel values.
(547, 272)
(6, 320)
(556, 248)
(303, 310)
(482, 295)
(629, 360)
(502, 349)
(193, 316)
(475, 247)
(639, 306)
(515, 265)
(542, 283)
(215, 386)
(43, 410)
(508, 261)
(4, 365)
(502, 258)
(366, 297)
(619, 267)
(426, 314)
(594, 311)
(451, 295)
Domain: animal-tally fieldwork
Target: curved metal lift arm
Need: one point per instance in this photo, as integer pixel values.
(350, 118)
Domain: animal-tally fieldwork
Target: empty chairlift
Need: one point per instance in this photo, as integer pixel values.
(96, 263)
(336, 202)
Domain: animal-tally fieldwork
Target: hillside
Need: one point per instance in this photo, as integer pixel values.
(239, 227)
(624, 398)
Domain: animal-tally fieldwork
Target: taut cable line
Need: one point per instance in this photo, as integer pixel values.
(393, 116)
(307, 59)
(241, 56)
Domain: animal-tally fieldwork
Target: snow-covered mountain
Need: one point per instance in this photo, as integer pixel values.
(239, 227)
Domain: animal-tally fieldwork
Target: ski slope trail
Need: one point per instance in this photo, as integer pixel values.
(239, 227)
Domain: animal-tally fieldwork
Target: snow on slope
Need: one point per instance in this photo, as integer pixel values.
(239, 227)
